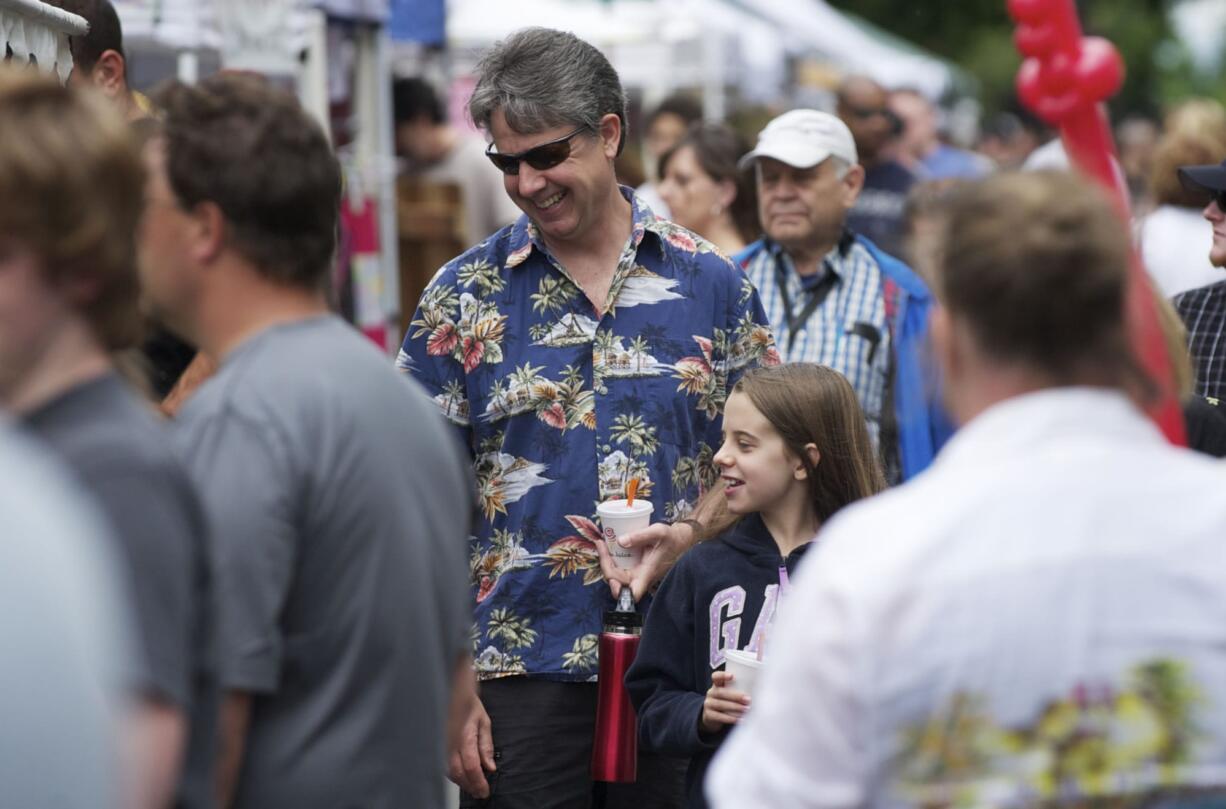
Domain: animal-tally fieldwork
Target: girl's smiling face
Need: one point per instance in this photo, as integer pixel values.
(757, 468)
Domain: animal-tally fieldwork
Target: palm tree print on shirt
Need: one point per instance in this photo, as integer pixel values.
(582, 656)
(553, 295)
(690, 472)
(485, 275)
(611, 358)
(515, 632)
(563, 404)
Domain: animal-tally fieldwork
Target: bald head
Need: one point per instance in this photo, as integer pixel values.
(863, 107)
(861, 87)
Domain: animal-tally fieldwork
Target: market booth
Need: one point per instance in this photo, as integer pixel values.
(334, 54)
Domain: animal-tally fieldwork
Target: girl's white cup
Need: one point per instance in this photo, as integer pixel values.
(744, 668)
(616, 520)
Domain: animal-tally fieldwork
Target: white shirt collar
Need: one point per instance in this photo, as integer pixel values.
(1050, 416)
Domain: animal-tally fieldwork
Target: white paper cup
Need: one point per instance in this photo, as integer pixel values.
(616, 520)
(744, 668)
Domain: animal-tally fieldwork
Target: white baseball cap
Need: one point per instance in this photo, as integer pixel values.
(803, 138)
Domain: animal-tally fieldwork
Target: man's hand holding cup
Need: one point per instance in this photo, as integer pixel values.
(656, 547)
(620, 518)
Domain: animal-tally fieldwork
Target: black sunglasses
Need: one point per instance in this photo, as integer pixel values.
(542, 157)
(867, 112)
(1218, 196)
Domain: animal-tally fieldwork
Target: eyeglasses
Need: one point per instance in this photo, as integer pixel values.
(1219, 196)
(867, 112)
(542, 157)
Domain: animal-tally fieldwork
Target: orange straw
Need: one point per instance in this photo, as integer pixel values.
(631, 489)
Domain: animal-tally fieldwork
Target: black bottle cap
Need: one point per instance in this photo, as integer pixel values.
(614, 620)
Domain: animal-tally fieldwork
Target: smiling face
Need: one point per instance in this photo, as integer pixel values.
(758, 470)
(568, 201)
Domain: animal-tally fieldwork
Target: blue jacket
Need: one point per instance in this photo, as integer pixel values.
(731, 584)
(923, 425)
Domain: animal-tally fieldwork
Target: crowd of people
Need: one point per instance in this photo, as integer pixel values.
(880, 394)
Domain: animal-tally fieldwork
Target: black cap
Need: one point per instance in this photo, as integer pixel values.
(1206, 179)
(614, 620)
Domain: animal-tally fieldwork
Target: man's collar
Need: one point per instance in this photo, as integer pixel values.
(831, 262)
(525, 236)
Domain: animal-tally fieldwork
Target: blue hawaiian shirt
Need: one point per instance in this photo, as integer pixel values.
(561, 405)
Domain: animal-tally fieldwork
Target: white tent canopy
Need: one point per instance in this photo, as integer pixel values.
(657, 45)
(815, 26)
(482, 22)
(30, 28)
(194, 24)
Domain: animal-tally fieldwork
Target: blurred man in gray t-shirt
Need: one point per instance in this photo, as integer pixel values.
(340, 507)
(62, 632)
(70, 200)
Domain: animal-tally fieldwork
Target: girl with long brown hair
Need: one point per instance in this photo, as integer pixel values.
(796, 450)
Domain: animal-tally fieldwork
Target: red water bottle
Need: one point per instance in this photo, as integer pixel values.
(615, 748)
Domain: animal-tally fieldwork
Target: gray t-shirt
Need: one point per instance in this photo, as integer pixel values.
(62, 632)
(341, 507)
(123, 456)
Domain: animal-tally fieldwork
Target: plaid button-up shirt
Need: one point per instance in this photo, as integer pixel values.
(1204, 314)
(836, 318)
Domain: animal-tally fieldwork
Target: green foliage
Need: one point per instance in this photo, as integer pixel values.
(977, 35)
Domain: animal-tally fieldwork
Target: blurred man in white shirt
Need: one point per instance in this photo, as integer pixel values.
(1039, 617)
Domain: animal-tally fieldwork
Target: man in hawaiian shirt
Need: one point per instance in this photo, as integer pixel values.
(586, 345)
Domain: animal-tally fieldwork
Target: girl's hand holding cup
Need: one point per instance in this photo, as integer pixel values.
(724, 705)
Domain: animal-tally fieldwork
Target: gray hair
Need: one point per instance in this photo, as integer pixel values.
(541, 78)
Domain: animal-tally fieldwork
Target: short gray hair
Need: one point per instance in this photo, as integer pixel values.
(541, 78)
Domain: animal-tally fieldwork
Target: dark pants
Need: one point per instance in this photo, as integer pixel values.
(542, 734)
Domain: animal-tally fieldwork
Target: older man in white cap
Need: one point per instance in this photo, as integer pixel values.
(832, 297)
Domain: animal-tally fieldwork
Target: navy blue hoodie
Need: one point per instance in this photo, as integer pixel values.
(722, 593)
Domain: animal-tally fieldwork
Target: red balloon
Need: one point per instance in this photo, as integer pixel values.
(1100, 70)
(1037, 40)
(1064, 78)
(1029, 10)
